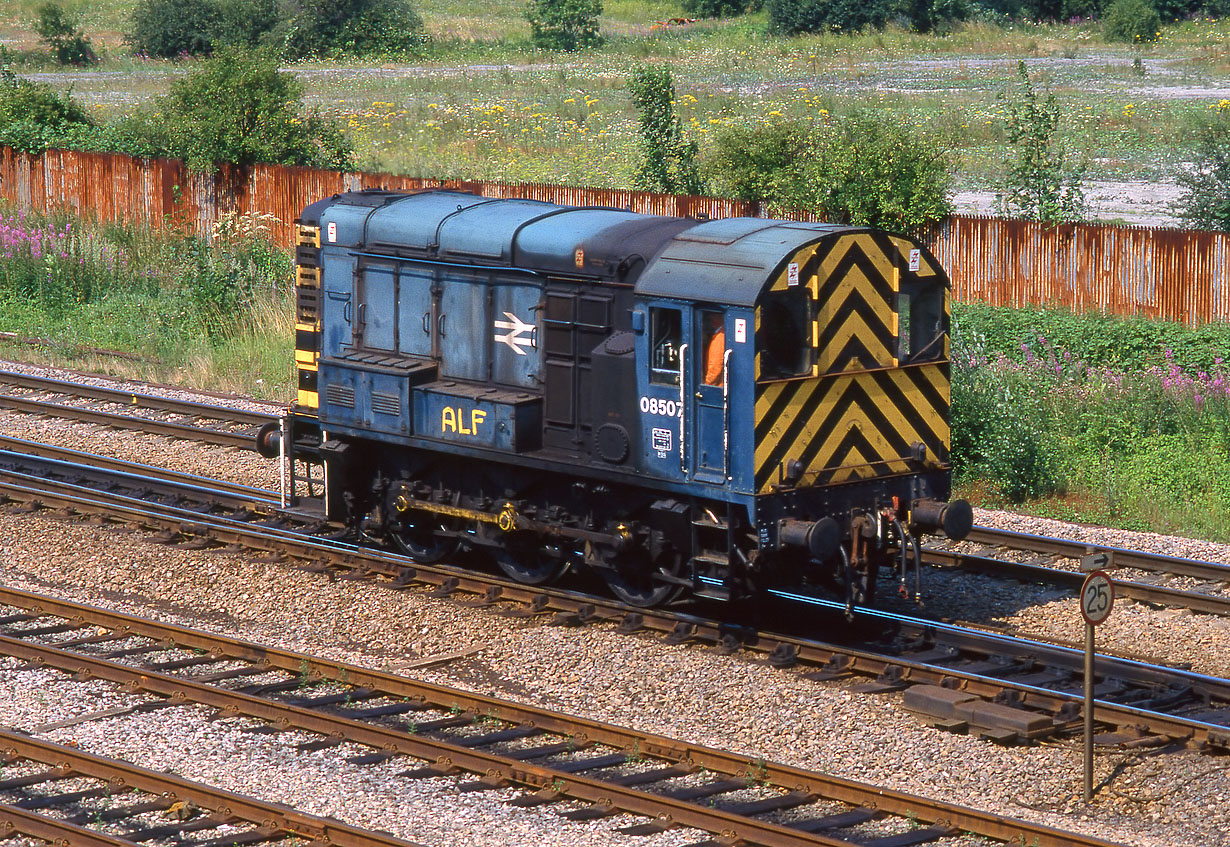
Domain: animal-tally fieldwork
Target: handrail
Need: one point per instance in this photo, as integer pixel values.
(683, 387)
(726, 412)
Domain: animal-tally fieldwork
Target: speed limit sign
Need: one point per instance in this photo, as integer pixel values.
(1097, 597)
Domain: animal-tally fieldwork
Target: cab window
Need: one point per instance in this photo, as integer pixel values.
(713, 334)
(920, 323)
(785, 334)
(665, 339)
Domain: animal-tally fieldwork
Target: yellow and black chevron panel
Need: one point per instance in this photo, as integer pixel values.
(858, 278)
(853, 280)
(851, 426)
(307, 314)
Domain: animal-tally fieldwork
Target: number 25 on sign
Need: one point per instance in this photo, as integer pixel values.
(1097, 597)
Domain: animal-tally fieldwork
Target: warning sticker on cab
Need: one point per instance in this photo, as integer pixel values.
(661, 440)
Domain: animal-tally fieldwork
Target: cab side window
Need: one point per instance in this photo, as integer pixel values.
(714, 335)
(921, 323)
(785, 334)
(665, 339)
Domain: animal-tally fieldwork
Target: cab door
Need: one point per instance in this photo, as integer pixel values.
(376, 326)
(708, 374)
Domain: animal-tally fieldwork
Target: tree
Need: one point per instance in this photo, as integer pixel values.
(564, 24)
(669, 161)
(1207, 202)
(1041, 184)
(238, 107)
(59, 31)
(936, 15)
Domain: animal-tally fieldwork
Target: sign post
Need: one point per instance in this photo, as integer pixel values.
(1097, 599)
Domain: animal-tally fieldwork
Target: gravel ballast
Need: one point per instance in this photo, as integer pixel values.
(1149, 797)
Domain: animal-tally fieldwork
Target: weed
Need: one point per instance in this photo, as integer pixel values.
(305, 674)
(757, 772)
(669, 160)
(1042, 184)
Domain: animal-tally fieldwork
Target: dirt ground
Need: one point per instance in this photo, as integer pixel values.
(1139, 203)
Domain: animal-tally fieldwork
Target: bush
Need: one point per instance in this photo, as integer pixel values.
(238, 107)
(937, 15)
(761, 163)
(866, 169)
(1040, 184)
(1099, 341)
(1138, 433)
(1207, 202)
(1132, 21)
(160, 294)
(351, 27)
(61, 34)
(715, 8)
(791, 17)
(244, 23)
(170, 28)
(564, 24)
(33, 117)
(668, 161)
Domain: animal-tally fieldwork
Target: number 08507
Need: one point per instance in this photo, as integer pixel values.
(656, 406)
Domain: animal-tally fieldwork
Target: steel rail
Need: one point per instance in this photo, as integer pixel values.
(67, 476)
(1120, 557)
(7, 375)
(130, 398)
(834, 660)
(53, 452)
(123, 776)
(554, 783)
(188, 432)
(1161, 595)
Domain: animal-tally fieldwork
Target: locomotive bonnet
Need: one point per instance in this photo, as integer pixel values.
(716, 408)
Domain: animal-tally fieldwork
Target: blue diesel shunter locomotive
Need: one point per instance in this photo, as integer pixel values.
(711, 407)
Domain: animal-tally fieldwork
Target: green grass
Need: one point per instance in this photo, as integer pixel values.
(216, 317)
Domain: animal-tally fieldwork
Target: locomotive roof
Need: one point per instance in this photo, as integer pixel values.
(727, 261)
(722, 261)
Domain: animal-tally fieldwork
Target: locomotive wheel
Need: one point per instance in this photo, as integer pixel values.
(630, 576)
(522, 556)
(418, 538)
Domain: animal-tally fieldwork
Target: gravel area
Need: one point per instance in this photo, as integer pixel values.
(1149, 798)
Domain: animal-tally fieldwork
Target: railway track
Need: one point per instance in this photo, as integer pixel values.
(213, 424)
(442, 731)
(1211, 596)
(963, 679)
(65, 796)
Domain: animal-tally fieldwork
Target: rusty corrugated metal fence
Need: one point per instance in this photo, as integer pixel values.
(1171, 274)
